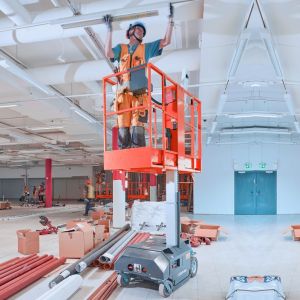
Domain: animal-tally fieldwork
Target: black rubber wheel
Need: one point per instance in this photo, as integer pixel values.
(166, 289)
(194, 266)
(123, 280)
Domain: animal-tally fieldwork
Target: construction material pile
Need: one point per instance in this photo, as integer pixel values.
(5, 205)
(105, 289)
(18, 273)
(198, 232)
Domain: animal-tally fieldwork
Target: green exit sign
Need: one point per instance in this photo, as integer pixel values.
(262, 165)
(248, 165)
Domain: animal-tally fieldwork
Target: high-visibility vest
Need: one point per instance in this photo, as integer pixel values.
(128, 60)
(91, 193)
(125, 100)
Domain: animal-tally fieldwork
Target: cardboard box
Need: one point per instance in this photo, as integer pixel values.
(72, 223)
(75, 244)
(208, 231)
(96, 215)
(28, 241)
(109, 217)
(295, 232)
(5, 205)
(188, 226)
(105, 222)
(98, 234)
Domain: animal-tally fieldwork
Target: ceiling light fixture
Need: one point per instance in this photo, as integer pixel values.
(84, 115)
(93, 19)
(254, 131)
(254, 115)
(8, 105)
(45, 128)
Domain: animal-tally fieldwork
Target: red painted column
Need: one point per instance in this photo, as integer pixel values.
(48, 178)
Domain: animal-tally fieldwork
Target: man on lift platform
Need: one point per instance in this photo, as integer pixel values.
(131, 55)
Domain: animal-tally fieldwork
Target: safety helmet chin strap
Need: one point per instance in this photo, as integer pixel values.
(133, 34)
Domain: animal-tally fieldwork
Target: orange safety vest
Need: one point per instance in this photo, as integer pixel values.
(125, 99)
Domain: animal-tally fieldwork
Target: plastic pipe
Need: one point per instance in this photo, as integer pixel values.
(64, 290)
(108, 256)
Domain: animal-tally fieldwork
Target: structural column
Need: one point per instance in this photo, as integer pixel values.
(172, 203)
(119, 195)
(48, 178)
(153, 187)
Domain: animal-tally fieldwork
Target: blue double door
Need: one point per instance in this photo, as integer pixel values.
(255, 193)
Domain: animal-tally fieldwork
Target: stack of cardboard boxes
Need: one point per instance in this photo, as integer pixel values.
(76, 240)
(81, 237)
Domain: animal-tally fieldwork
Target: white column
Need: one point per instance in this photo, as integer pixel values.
(153, 188)
(118, 204)
(197, 195)
(172, 211)
(153, 193)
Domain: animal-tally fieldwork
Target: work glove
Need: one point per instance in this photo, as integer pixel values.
(108, 22)
(171, 15)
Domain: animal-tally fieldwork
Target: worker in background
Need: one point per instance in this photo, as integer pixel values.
(35, 194)
(89, 196)
(41, 192)
(130, 55)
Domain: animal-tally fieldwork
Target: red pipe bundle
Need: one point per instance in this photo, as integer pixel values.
(105, 289)
(18, 273)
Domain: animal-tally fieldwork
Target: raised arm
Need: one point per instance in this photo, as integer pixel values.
(108, 44)
(167, 39)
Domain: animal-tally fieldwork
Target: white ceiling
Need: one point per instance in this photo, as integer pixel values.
(51, 77)
(248, 65)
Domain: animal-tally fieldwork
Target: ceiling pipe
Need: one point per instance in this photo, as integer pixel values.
(66, 104)
(93, 43)
(48, 25)
(95, 70)
(15, 12)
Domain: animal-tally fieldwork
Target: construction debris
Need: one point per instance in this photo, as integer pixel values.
(5, 205)
(295, 231)
(198, 232)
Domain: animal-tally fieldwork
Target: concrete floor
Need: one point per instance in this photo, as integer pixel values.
(255, 245)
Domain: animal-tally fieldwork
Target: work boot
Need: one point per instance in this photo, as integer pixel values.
(124, 137)
(138, 137)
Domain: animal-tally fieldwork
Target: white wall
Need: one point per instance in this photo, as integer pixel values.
(39, 172)
(214, 187)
